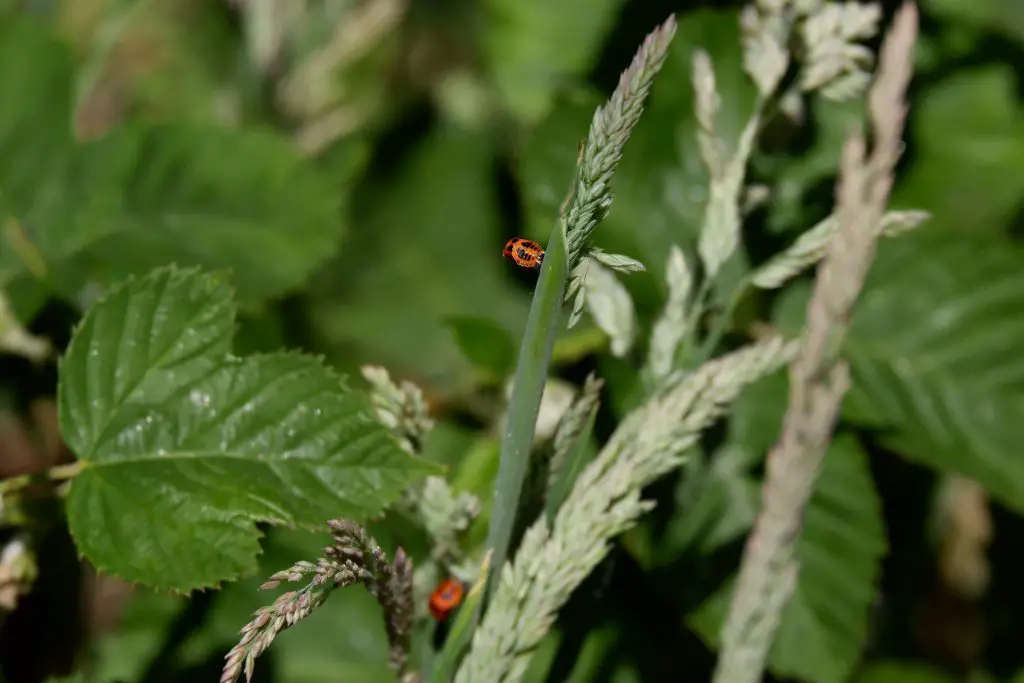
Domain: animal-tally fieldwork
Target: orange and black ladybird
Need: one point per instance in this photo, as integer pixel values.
(445, 598)
(524, 252)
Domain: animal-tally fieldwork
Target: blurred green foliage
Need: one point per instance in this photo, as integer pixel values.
(357, 167)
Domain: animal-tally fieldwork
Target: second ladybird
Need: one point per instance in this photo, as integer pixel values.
(445, 598)
(524, 252)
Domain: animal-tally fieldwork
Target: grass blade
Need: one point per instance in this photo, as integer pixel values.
(527, 390)
(524, 405)
(461, 630)
(586, 205)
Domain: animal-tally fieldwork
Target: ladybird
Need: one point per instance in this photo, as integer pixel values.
(524, 252)
(445, 598)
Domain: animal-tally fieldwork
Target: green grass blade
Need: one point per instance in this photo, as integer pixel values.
(461, 630)
(586, 205)
(542, 327)
(531, 374)
(578, 458)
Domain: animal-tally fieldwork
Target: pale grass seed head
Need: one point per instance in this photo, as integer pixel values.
(446, 516)
(609, 129)
(765, 32)
(706, 107)
(673, 325)
(401, 407)
(819, 376)
(811, 246)
(605, 501)
(836, 63)
(610, 306)
(591, 195)
(352, 558)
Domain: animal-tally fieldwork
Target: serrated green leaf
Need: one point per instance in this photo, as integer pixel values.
(184, 447)
(935, 351)
(533, 47)
(146, 195)
(203, 196)
(486, 344)
(969, 131)
(840, 550)
(716, 503)
(756, 420)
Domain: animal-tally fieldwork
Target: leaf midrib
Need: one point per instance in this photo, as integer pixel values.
(173, 455)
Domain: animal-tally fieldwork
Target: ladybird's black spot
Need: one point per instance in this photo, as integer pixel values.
(523, 253)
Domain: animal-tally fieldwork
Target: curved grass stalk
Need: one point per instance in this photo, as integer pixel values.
(527, 391)
(587, 204)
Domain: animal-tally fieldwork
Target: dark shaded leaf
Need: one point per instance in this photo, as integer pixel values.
(969, 152)
(428, 248)
(935, 351)
(1004, 16)
(486, 344)
(840, 550)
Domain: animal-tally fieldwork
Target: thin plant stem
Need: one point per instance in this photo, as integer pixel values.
(819, 377)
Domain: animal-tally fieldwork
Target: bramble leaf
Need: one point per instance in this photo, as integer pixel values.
(203, 196)
(185, 447)
(840, 550)
(716, 502)
(935, 351)
(146, 194)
